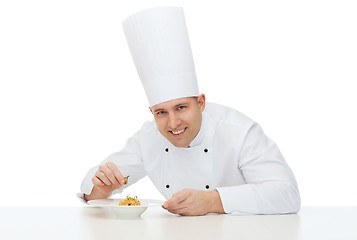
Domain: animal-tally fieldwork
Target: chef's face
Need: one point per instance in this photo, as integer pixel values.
(179, 120)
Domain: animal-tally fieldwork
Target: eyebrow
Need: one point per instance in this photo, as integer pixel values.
(180, 104)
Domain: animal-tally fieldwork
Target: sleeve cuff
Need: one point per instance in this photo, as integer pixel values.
(81, 198)
(234, 200)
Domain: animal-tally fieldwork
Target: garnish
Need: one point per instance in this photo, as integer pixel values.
(126, 179)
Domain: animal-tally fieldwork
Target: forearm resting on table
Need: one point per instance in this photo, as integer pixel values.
(95, 194)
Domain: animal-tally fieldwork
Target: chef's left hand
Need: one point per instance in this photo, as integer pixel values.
(191, 202)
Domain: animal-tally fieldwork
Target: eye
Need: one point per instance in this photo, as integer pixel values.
(159, 113)
(181, 107)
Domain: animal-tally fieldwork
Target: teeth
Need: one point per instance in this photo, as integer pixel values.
(178, 132)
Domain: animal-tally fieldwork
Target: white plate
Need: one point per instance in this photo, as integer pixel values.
(125, 211)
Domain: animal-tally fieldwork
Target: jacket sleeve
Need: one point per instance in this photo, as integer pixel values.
(270, 186)
(129, 162)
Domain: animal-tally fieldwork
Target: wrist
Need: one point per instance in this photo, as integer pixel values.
(215, 202)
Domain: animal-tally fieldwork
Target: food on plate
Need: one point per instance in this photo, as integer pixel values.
(129, 201)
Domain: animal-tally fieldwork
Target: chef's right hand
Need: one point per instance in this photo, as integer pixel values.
(108, 178)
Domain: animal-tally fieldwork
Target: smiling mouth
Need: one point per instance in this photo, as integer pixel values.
(179, 132)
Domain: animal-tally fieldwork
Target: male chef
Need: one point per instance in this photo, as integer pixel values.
(203, 157)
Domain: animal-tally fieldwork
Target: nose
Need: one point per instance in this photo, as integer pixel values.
(174, 121)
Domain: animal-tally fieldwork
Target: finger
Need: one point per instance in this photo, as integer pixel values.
(186, 210)
(101, 176)
(116, 172)
(176, 210)
(181, 211)
(109, 174)
(176, 199)
(97, 182)
(173, 205)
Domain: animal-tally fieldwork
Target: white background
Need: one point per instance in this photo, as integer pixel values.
(70, 94)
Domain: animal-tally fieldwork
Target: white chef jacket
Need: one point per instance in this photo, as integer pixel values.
(230, 154)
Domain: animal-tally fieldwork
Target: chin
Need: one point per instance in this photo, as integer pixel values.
(180, 145)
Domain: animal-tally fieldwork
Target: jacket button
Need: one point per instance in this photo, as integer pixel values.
(207, 187)
(166, 149)
(167, 186)
(206, 150)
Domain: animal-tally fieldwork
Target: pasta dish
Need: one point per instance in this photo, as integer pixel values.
(129, 201)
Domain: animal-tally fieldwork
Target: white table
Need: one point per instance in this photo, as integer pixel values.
(95, 223)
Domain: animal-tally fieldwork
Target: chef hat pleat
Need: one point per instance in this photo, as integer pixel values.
(159, 44)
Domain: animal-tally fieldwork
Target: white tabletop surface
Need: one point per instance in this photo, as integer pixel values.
(96, 223)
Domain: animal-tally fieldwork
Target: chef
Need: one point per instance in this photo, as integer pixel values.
(203, 157)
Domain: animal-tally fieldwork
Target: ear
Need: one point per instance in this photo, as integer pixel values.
(202, 102)
(150, 109)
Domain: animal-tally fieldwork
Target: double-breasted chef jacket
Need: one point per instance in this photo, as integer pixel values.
(230, 154)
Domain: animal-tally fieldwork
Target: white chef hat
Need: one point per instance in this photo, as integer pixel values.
(160, 47)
